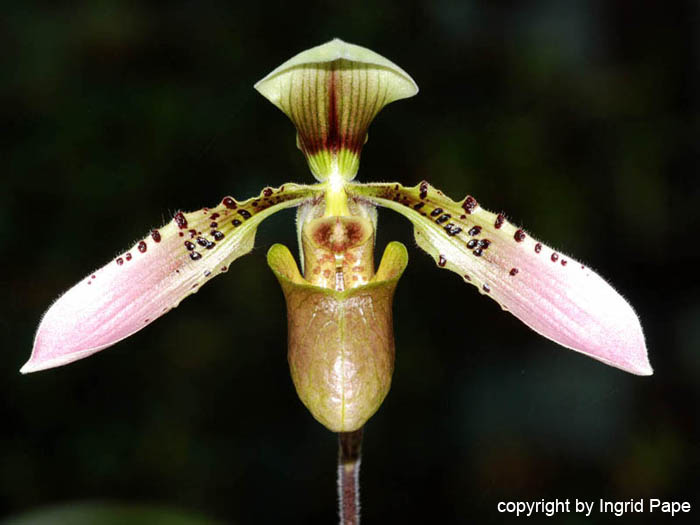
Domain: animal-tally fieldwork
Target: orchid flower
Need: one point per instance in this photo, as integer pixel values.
(340, 341)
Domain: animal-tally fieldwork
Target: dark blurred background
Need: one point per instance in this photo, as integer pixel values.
(579, 119)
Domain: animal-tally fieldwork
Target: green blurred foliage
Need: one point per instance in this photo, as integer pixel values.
(81, 513)
(578, 118)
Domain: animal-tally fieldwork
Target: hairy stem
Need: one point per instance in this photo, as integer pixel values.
(349, 455)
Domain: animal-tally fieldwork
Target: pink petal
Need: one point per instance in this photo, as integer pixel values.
(151, 278)
(553, 294)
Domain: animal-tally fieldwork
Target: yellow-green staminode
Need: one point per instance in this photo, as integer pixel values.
(331, 93)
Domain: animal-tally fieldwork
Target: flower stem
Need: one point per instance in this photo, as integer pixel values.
(349, 455)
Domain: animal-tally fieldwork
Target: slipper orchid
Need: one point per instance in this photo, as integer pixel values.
(341, 348)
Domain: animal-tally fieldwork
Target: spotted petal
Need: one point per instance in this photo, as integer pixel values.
(553, 294)
(152, 277)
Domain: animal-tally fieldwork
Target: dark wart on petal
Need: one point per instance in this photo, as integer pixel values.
(120, 261)
(478, 252)
(486, 288)
(189, 245)
(155, 235)
(476, 230)
(472, 244)
(229, 203)
(180, 220)
(538, 247)
(513, 271)
(423, 190)
(436, 212)
(519, 235)
(142, 246)
(500, 219)
(452, 230)
(195, 255)
(217, 235)
(555, 257)
(267, 192)
(469, 204)
(128, 256)
(419, 206)
(244, 213)
(236, 222)
(442, 261)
